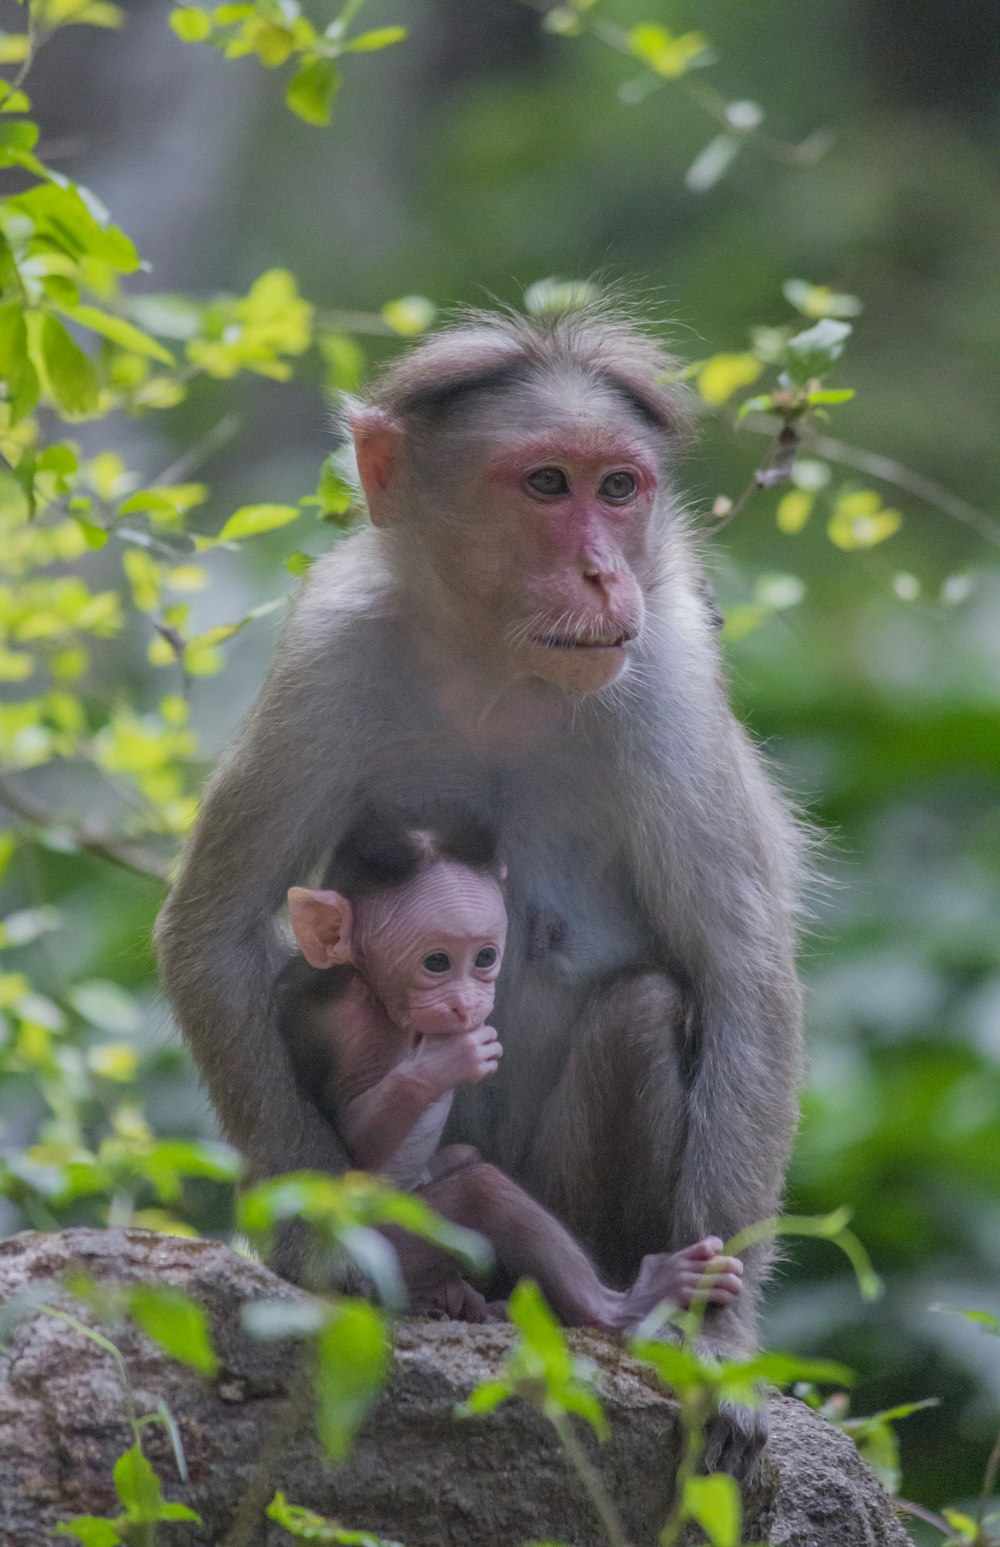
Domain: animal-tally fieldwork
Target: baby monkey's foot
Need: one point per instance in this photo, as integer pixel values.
(698, 1274)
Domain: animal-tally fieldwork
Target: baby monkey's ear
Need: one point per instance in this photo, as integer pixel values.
(321, 923)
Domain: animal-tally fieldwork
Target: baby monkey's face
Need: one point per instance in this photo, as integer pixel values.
(432, 949)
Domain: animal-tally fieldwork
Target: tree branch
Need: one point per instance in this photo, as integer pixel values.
(118, 851)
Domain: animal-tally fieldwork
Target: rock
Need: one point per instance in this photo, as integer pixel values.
(417, 1475)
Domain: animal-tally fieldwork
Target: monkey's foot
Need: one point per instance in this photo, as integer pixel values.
(734, 1441)
(698, 1273)
(454, 1300)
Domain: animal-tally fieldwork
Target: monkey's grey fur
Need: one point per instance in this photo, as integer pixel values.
(649, 1006)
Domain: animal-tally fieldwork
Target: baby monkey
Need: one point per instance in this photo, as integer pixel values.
(390, 1015)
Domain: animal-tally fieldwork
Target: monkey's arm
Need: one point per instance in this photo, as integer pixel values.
(278, 800)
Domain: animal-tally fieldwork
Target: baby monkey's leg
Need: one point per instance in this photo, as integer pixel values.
(530, 1242)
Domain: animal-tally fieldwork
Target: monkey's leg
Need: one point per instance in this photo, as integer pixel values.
(529, 1242)
(609, 1140)
(610, 1145)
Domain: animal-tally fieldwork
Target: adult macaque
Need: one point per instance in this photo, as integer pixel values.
(527, 616)
(385, 1014)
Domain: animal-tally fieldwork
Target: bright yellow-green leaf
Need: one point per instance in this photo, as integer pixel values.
(118, 331)
(410, 315)
(249, 520)
(311, 91)
(15, 665)
(352, 1363)
(175, 1321)
(145, 577)
(272, 44)
(794, 510)
(714, 1502)
(116, 1061)
(860, 520)
(14, 47)
(67, 375)
(818, 301)
(723, 375)
(669, 54)
(379, 37)
(186, 577)
(742, 620)
(191, 23)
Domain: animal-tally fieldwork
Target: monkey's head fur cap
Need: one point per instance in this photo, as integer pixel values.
(489, 352)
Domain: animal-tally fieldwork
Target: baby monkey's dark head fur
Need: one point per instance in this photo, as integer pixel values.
(386, 846)
(517, 467)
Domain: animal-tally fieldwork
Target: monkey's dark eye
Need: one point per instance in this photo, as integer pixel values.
(618, 486)
(548, 481)
(437, 961)
(487, 957)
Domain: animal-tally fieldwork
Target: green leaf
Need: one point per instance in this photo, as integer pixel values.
(669, 54)
(250, 520)
(191, 23)
(714, 1502)
(118, 331)
(352, 1365)
(978, 1318)
(311, 91)
(794, 510)
(724, 374)
(410, 315)
(137, 1485)
(817, 301)
(711, 164)
(16, 137)
(91, 1530)
(66, 373)
(486, 1397)
(558, 297)
(299, 563)
(106, 1005)
(832, 395)
(176, 1322)
(813, 352)
(18, 377)
(379, 37)
(305, 1526)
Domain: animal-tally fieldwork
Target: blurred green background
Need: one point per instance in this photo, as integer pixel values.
(469, 162)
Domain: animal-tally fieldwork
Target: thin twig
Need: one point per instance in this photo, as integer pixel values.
(259, 1491)
(590, 1478)
(119, 851)
(923, 488)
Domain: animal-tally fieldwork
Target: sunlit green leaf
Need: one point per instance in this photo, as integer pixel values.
(67, 374)
(378, 37)
(190, 23)
(176, 1322)
(351, 1369)
(714, 1502)
(312, 89)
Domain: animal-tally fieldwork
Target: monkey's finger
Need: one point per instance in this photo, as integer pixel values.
(710, 1247)
(724, 1265)
(719, 1289)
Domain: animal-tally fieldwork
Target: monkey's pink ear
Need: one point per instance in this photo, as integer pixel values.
(321, 923)
(378, 440)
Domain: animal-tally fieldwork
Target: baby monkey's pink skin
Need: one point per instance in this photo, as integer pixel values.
(410, 1026)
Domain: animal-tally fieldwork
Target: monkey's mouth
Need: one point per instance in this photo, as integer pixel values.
(587, 642)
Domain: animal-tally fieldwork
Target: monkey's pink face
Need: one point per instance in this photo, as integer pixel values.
(572, 512)
(432, 948)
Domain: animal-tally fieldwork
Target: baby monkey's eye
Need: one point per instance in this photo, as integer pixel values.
(618, 486)
(437, 961)
(548, 480)
(487, 956)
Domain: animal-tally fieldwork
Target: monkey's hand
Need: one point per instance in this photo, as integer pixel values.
(439, 1063)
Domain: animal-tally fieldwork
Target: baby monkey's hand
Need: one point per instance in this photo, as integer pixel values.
(455, 1058)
